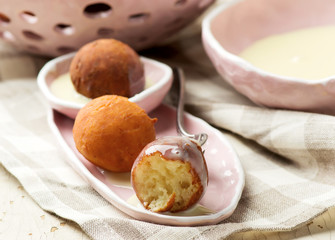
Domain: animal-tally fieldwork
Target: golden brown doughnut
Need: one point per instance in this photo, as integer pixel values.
(110, 131)
(170, 174)
(107, 66)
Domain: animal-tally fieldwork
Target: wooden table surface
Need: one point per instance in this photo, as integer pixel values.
(21, 218)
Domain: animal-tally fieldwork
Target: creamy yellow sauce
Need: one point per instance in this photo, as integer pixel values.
(306, 53)
(197, 210)
(118, 179)
(63, 88)
(123, 180)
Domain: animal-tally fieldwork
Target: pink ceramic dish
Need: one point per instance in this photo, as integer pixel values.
(226, 176)
(159, 74)
(230, 28)
(56, 27)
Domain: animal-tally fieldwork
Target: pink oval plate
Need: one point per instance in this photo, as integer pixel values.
(226, 176)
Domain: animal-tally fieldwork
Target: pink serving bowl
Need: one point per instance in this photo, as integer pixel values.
(56, 27)
(230, 28)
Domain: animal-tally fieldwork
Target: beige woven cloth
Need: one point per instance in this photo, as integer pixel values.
(288, 156)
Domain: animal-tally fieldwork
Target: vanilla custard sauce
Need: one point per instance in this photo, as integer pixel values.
(306, 53)
(62, 87)
(197, 210)
(123, 180)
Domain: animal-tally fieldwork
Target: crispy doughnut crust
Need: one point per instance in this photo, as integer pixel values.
(107, 66)
(110, 131)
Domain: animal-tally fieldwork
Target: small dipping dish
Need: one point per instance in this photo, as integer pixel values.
(158, 77)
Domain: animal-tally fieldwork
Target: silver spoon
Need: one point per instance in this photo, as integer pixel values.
(184, 148)
(179, 80)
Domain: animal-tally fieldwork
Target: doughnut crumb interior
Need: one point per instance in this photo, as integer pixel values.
(166, 185)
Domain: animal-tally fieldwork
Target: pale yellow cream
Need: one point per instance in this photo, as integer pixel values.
(118, 179)
(63, 88)
(123, 180)
(197, 210)
(306, 53)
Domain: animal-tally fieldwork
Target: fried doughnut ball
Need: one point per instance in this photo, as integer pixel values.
(110, 131)
(107, 66)
(170, 174)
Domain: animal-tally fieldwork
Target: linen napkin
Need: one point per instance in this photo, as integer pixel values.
(287, 156)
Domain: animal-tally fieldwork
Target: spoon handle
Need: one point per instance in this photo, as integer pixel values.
(179, 79)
